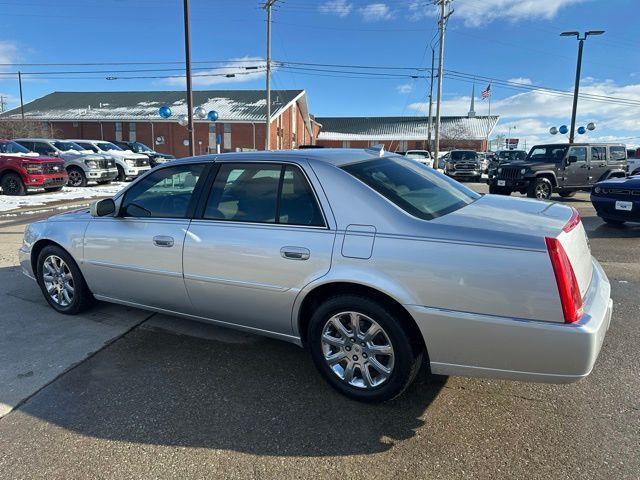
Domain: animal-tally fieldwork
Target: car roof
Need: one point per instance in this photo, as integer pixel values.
(592, 144)
(333, 156)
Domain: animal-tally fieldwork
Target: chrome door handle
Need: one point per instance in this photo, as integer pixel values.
(163, 241)
(295, 253)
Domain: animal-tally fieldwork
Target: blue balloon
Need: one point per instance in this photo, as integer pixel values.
(212, 116)
(582, 130)
(563, 129)
(164, 111)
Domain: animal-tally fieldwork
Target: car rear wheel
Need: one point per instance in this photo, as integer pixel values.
(362, 349)
(568, 194)
(540, 189)
(77, 178)
(61, 281)
(12, 184)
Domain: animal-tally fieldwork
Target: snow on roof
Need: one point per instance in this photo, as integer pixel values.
(403, 128)
(231, 105)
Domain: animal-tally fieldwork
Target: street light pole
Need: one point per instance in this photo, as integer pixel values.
(267, 143)
(187, 58)
(433, 54)
(442, 23)
(576, 87)
(21, 101)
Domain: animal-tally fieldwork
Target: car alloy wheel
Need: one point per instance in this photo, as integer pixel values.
(75, 178)
(543, 191)
(12, 186)
(357, 350)
(58, 280)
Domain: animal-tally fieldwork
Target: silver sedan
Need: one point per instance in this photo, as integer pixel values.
(375, 263)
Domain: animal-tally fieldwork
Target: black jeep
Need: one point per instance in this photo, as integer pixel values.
(560, 168)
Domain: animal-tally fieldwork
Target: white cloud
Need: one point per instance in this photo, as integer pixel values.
(534, 112)
(375, 12)
(405, 88)
(8, 52)
(521, 80)
(223, 73)
(475, 13)
(336, 7)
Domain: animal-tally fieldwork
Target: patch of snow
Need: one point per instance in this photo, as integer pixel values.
(67, 193)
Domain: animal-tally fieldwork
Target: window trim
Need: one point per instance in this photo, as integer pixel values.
(193, 202)
(213, 174)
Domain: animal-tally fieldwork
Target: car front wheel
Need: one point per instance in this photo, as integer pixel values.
(362, 349)
(12, 184)
(61, 281)
(77, 178)
(540, 189)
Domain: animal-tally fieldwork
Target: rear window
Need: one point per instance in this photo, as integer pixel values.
(415, 188)
(617, 153)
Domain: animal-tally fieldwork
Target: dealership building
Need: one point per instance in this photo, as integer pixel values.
(134, 116)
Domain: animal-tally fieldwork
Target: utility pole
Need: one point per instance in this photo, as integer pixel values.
(576, 87)
(187, 62)
(430, 122)
(442, 24)
(267, 143)
(21, 101)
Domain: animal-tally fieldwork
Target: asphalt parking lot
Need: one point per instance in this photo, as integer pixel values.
(120, 393)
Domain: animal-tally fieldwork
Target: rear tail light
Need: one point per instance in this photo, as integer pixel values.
(570, 296)
(573, 221)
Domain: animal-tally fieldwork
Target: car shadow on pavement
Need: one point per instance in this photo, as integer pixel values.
(243, 393)
(597, 228)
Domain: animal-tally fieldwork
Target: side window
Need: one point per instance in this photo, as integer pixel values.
(617, 154)
(298, 205)
(245, 193)
(43, 148)
(579, 152)
(263, 193)
(598, 153)
(165, 193)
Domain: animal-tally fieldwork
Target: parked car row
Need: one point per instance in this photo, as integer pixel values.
(30, 163)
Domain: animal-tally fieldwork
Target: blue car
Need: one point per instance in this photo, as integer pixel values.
(617, 200)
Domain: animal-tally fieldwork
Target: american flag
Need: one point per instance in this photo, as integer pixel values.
(486, 92)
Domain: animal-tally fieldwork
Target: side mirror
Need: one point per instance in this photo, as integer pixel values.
(572, 159)
(103, 208)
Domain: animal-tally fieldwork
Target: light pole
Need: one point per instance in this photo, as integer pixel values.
(187, 63)
(508, 145)
(576, 88)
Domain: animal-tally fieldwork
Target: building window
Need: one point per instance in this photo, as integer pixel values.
(132, 131)
(118, 127)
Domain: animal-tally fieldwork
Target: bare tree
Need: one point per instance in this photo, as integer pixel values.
(456, 135)
(26, 128)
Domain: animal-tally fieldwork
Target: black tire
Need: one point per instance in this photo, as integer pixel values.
(540, 189)
(121, 175)
(52, 189)
(407, 353)
(611, 221)
(77, 178)
(103, 182)
(13, 185)
(82, 297)
(635, 172)
(568, 193)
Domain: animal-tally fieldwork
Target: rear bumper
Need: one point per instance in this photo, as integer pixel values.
(467, 344)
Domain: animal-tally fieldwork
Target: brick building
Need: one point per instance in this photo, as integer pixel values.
(405, 133)
(134, 116)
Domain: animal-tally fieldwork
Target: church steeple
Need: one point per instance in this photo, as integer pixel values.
(472, 107)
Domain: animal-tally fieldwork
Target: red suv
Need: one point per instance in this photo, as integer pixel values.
(21, 170)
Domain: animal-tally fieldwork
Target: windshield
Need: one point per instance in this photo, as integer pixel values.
(140, 147)
(547, 153)
(12, 147)
(511, 155)
(415, 188)
(417, 155)
(106, 146)
(463, 155)
(88, 146)
(67, 146)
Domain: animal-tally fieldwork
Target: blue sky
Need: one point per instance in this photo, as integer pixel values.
(514, 40)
